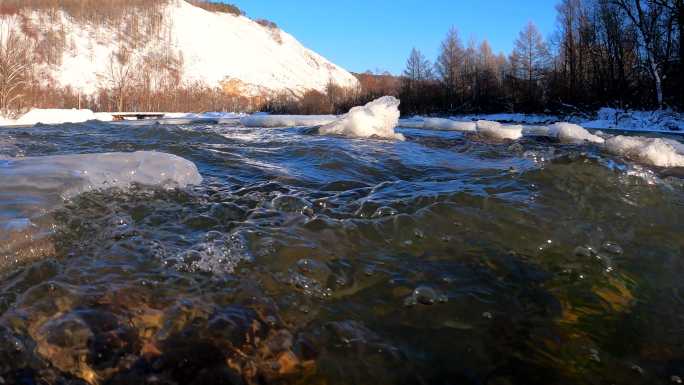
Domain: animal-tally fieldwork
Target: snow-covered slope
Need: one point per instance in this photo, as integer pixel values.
(217, 49)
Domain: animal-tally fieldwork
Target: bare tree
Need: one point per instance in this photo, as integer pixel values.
(15, 66)
(530, 58)
(645, 17)
(121, 76)
(418, 69)
(450, 62)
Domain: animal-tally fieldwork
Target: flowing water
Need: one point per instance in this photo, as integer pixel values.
(443, 259)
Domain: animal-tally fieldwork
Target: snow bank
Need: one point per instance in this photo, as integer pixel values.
(69, 175)
(497, 130)
(656, 121)
(653, 151)
(5, 122)
(270, 121)
(55, 116)
(572, 133)
(378, 118)
(449, 125)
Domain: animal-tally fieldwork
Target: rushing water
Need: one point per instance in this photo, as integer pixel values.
(444, 259)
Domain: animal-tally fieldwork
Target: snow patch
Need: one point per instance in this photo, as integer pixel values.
(499, 131)
(572, 133)
(271, 121)
(378, 118)
(653, 151)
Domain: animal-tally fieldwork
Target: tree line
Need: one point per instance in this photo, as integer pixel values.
(621, 53)
(624, 53)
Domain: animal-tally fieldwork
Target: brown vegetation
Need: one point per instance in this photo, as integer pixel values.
(15, 66)
(215, 6)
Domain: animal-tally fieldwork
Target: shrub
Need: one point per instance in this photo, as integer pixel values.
(213, 6)
(266, 23)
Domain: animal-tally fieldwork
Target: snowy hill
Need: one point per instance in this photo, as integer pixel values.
(213, 49)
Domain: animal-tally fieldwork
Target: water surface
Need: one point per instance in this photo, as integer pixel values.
(444, 259)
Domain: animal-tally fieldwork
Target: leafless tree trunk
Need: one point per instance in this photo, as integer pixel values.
(120, 77)
(645, 25)
(15, 66)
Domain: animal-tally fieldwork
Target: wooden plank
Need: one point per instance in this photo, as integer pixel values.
(118, 116)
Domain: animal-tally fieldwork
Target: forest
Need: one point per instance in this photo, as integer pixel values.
(621, 53)
(618, 53)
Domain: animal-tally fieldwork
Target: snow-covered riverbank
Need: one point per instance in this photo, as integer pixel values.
(606, 119)
(62, 116)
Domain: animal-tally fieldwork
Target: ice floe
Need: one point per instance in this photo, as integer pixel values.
(448, 125)
(68, 175)
(572, 133)
(378, 119)
(653, 151)
(499, 131)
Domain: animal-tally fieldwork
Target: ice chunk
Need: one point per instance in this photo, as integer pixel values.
(572, 133)
(378, 118)
(411, 123)
(30, 188)
(449, 125)
(56, 116)
(653, 151)
(69, 175)
(270, 121)
(497, 130)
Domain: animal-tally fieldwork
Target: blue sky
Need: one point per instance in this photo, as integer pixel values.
(379, 34)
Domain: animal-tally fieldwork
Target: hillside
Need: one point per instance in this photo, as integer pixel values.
(166, 44)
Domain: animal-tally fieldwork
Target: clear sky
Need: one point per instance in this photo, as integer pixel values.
(379, 34)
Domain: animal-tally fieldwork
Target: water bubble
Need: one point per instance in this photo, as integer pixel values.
(612, 247)
(384, 211)
(292, 204)
(309, 286)
(546, 245)
(585, 251)
(213, 235)
(594, 355)
(424, 295)
(200, 222)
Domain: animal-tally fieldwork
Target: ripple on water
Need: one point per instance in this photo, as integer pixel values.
(303, 259)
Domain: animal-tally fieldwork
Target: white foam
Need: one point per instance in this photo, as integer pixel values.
(572, 133)
(271, 121)
(653, 151)
(449, 125)
(378, 118)
(499, 131)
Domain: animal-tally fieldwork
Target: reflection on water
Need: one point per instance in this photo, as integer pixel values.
(306, 259)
